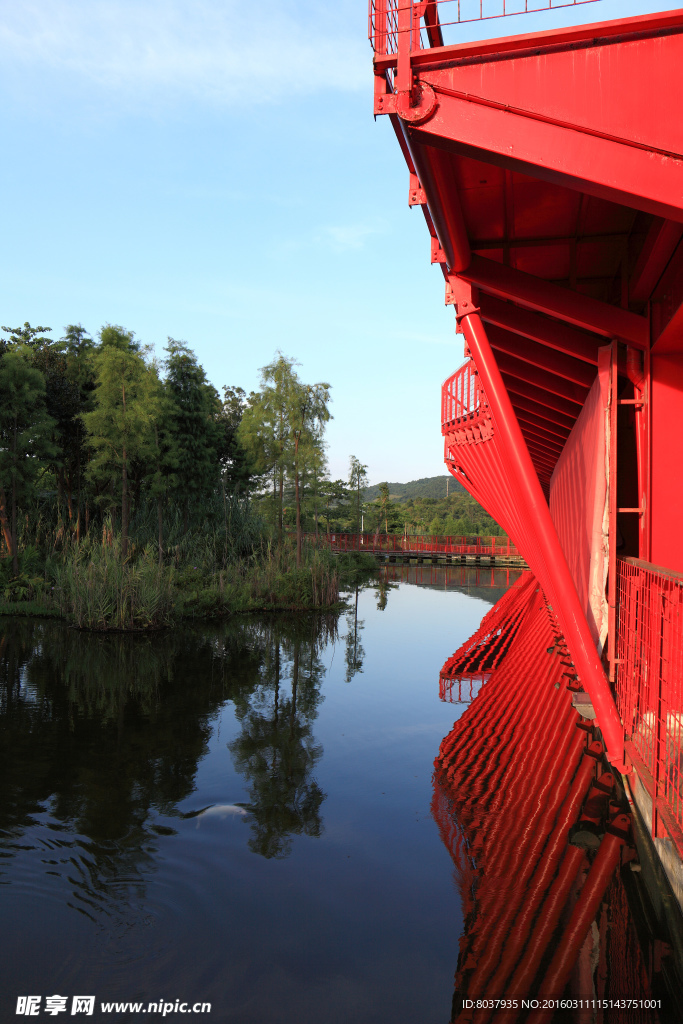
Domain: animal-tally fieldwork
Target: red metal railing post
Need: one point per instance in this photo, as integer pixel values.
(403, 81)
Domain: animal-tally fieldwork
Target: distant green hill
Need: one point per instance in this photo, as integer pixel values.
(433, 487)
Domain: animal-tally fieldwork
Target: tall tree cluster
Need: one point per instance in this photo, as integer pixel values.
(282, 428)
(98, 427)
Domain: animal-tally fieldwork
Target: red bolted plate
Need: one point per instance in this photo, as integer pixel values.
(424, 104)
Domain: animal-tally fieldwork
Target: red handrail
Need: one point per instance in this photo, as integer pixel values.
(377, 543)
(384, 17)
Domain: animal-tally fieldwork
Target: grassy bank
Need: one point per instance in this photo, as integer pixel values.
(92, 586)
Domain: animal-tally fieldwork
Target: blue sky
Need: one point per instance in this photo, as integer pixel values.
(211, 170)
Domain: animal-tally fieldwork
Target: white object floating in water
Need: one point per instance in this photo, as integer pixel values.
(222, 811)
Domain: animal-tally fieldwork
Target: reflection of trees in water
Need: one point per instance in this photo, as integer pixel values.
(354, 653)
(105, 734)
(275, 749)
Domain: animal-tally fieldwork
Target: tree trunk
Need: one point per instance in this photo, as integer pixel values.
(124, 490)
(160, 521)
(78, 478)
(69, 499)
(315, 507)
(60, 492)
(15, 552)
(282, 501)
(298, 502)
(186, 516)
(124, 506)
(4, 521)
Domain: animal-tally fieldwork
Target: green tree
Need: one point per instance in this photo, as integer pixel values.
(358, 481)
(450, 526)
(436, 526)
(25, 429)
(121, 424)
(79, 350)
(336, 501)
(388, 515)
(162, 477)
(238, 469)
(193, 425)
(309, 413)
(282, 431)
(264, 430)
(26, 336)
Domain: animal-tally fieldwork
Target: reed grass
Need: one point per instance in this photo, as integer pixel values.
(97, 589)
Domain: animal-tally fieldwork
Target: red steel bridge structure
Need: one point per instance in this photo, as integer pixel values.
(549, 170)
(498, 550)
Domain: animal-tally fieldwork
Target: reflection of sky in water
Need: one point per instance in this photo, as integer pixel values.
(113, 747)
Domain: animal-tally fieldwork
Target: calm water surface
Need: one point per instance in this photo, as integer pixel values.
(236, 813)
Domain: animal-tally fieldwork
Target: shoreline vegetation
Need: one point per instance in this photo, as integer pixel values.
(133, 495)
(93, 588)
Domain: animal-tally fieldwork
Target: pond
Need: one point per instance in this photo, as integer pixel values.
(236, 813)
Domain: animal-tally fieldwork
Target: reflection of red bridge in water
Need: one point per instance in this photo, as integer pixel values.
(495, 550)
(456, 577)
(548, 168)
(530, 819)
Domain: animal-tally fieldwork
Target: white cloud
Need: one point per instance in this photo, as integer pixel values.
(220, 51)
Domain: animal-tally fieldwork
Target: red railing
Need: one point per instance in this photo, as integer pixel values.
(462, 396)
(650, 684)
(380, 543)
(428, 21)
(464, 406)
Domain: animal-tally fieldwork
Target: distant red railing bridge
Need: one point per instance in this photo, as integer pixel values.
(421, 546)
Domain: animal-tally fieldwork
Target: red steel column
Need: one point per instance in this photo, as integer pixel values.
(565, 599)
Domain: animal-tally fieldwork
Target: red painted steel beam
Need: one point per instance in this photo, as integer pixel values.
(551, 405)
(553, 571)
(545, 297)
(660, 245)
(541, 443)
(554, 333)
(450, 208)
(565, 153)
(450, 232)
(523, 403)
(552, 446)
(546, 427)
(561, 365)
(552, 420)
(542, 379)
(540, 456)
